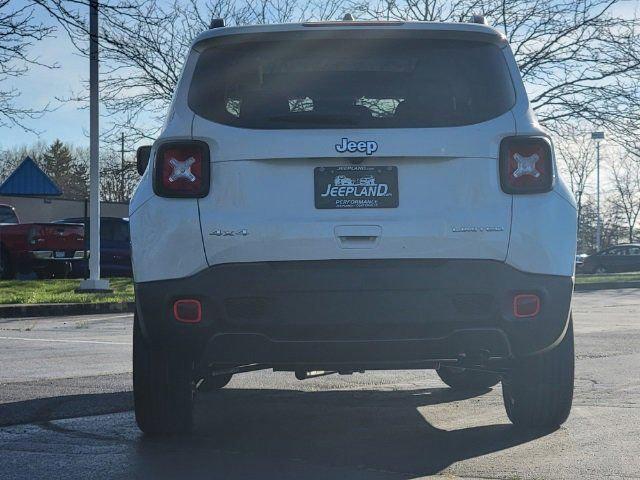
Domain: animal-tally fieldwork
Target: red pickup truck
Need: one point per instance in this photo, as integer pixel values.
(44, 248)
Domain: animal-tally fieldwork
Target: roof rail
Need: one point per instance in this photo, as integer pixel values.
(478, 19)
(216, 23)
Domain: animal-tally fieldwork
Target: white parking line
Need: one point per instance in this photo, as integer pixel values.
(65, 341)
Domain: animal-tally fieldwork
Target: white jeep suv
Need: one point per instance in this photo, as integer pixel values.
(347, 196)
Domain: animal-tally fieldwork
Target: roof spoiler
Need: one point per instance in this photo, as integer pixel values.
(436, 30)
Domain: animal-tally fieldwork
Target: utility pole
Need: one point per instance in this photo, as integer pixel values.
(597, 136)
(94, 283)
(122, 193)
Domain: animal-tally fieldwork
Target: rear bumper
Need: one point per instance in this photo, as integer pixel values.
(60, 266)
(357, 311)
(29, 261)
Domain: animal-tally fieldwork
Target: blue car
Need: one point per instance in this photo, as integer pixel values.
(115, 247)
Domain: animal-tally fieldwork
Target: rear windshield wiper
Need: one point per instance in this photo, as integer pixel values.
(318, 118)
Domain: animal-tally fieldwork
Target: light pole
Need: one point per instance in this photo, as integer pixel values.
(597, 136)
(94, 283)
(579, 202)
(122, 198)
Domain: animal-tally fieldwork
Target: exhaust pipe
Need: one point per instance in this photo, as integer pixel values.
(304, 374)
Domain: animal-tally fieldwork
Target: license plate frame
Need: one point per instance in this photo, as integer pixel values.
(356, 187)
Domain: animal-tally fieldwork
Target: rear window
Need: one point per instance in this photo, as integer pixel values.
(359, 83)
(114, 230)
(7, 215)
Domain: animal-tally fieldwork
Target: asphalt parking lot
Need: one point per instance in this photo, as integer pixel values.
(65, 409)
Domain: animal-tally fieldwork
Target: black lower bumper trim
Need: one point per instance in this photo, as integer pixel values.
(252, 348)
(350, 310)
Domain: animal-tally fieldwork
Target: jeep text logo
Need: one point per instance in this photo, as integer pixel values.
(350, 146)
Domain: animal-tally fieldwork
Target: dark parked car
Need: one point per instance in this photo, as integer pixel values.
(621, 258)
(115, 247)
(580, 262)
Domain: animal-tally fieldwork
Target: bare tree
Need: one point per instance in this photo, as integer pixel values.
(577, 158)
(117, 179)
(12, 157)
(625, 173)
(579, 59)
(421, 10)
(614, 230)
(19, 31)
(143, 44)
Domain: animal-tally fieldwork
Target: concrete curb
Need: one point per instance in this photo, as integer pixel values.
(585, 287)
(61, 309)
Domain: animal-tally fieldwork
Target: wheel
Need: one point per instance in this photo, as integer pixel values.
(162, 387)
(539, 391)
(6, 270)
(214, 382)
(463, 379)
(600, 269)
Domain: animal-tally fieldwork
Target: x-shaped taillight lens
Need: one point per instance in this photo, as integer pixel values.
(526, 165)
(182, 169)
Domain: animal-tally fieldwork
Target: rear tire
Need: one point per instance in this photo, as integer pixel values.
(464, 379)
(162, 387)
(6, 269)
(539, 392)
(44, 274)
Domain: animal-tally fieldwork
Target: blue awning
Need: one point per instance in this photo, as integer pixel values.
(28, 180)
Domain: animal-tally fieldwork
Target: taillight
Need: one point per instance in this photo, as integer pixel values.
(526, 165)
(182, 169)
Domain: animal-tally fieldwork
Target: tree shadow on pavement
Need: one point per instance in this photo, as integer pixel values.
(271, 433)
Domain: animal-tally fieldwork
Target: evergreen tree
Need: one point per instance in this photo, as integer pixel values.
(64, 168)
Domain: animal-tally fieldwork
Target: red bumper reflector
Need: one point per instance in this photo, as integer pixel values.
(187, 311)
(526, 305)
